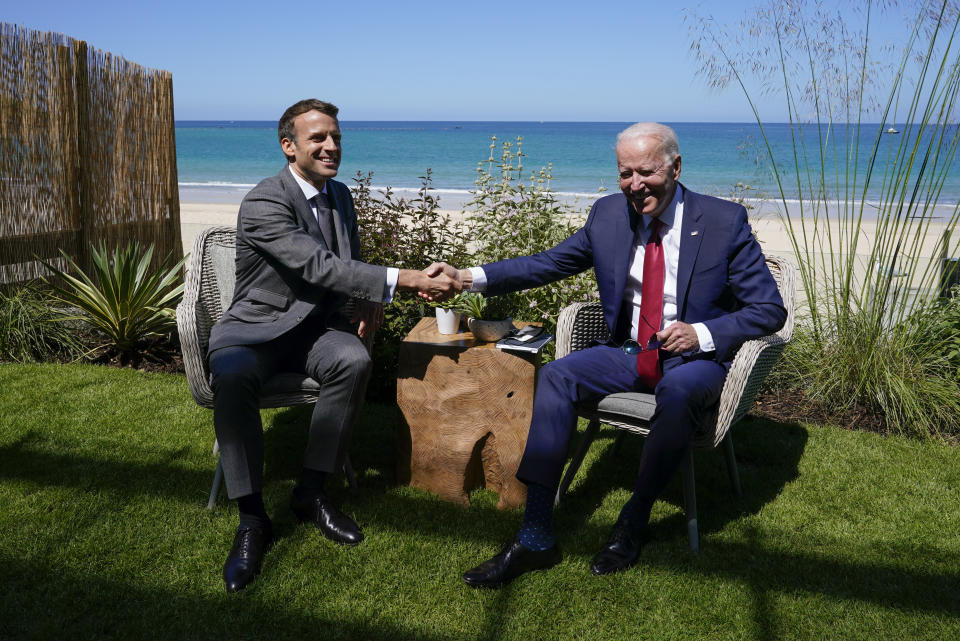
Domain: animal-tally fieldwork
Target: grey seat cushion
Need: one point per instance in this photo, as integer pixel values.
(636, 405)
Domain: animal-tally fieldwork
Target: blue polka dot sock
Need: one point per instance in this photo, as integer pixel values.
(536, 531)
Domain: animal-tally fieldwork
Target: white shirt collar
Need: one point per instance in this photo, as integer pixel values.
(309, 191)
(668, 216)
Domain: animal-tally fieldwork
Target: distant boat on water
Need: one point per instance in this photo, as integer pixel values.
(891, 130)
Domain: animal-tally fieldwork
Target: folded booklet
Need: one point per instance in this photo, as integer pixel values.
(528, 339)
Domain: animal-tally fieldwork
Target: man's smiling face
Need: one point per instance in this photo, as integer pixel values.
(315, 149)
(648, 177)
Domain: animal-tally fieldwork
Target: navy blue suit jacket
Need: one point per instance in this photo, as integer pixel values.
(722, 278)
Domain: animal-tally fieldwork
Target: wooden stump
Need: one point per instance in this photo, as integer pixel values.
(467, 407)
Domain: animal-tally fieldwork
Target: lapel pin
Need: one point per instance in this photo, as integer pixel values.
(694, 233)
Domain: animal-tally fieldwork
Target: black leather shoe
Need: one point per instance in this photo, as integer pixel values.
(246, 555)
(621, 551)
(512, 561)
(332, 523)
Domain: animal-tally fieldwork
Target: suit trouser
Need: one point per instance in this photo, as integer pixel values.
(336, 359)
(685, 396)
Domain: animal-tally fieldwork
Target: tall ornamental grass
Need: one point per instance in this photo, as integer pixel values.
(857, 203)
(29, 327)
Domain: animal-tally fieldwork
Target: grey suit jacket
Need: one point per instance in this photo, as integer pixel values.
(285, 271)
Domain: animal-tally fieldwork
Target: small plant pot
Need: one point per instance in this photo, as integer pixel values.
(488, 330)
(448, 321)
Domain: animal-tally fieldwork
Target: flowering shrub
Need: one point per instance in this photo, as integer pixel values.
(509, 217)
(411, 234)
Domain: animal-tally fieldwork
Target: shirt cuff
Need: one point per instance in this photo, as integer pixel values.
(704, 337)
(390, 286)
(479, 279)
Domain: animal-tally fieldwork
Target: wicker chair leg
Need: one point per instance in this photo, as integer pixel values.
(732, 470)
(348, 472)
(217, 482)
(690, 500)
(618, 441)
(577, 459)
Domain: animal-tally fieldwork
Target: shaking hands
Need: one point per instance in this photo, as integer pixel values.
(437, 282)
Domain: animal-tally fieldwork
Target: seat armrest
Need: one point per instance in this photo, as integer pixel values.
(194, 360)
(578, 325)
(750, 367)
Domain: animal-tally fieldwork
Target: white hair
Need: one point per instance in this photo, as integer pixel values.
(667, 137)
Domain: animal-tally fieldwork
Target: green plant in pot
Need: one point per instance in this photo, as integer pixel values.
(486, 317)
(448, 314)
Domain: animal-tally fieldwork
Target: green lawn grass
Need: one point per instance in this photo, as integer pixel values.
(105, 534)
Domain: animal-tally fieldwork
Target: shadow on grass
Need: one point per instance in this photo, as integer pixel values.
(768, 455)
(100, 609)
(167, 473)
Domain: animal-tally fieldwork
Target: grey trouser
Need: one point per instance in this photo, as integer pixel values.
(336, 359)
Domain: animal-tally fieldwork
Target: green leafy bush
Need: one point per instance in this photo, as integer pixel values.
(509, 217)
(125, 300)
(29, 327)
(506, 217)
(411, 234)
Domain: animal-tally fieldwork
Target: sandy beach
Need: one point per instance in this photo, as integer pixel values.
(764, 217)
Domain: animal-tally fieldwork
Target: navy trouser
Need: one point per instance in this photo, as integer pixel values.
(685, 395)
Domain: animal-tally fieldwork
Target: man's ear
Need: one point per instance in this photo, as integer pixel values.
(289, 147)
(676, 167)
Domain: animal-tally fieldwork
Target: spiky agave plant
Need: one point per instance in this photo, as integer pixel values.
(124, 298)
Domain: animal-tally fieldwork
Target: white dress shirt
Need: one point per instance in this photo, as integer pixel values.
(393, 274)
(672, 218)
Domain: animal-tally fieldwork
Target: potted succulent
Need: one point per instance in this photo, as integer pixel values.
(486, 317)
(448, 314)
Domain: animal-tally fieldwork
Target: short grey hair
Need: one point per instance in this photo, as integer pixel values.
(667, 137)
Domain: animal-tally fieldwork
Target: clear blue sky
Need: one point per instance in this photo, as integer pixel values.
(492, 60)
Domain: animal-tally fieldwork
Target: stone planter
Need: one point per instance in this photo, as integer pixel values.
(489, 331)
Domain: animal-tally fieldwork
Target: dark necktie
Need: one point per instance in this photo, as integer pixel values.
(325, 220)
(651, 307)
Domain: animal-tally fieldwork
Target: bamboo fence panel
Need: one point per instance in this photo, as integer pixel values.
(87, 153)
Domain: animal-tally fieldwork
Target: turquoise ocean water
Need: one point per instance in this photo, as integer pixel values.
(223, 159)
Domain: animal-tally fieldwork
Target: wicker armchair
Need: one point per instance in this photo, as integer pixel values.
(580, 323)
(211, 277)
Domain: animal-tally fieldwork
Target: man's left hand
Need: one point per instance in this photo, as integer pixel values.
(370, 316)
(679, 338)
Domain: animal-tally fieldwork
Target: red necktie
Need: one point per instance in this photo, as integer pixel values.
(651, 307)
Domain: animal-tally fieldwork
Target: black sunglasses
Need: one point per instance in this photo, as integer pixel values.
(632, 347)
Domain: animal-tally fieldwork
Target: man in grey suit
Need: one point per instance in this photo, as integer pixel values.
(298, 264)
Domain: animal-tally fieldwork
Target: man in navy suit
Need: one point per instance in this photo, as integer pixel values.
(694, 261)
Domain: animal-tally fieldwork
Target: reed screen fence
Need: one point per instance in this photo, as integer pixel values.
(87, 153)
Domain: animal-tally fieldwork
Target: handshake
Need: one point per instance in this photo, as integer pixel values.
(438, 282)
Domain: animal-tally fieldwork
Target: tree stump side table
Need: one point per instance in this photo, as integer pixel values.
(467, 407)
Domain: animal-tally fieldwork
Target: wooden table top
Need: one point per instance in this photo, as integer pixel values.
(426, 332)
